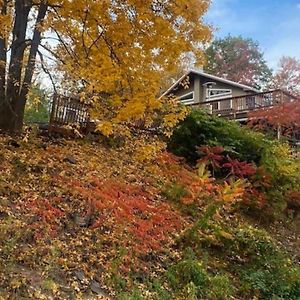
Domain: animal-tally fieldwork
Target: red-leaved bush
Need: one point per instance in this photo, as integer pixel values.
(239, 168)
(253, 198)
(44, 216)
(147, 223)
(211, 155)
(173, 171)
(293, 201)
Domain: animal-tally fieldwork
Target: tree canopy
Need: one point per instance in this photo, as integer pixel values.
(238, 59)
(287, 76)
(113, 52)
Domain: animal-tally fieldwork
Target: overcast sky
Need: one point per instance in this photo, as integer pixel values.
(275, 24)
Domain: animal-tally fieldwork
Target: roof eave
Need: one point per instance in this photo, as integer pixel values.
(245, 87)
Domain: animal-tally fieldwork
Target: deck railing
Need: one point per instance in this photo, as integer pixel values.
(69, 110)
(235, 106)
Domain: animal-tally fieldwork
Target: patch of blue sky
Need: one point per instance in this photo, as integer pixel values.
(274, 24)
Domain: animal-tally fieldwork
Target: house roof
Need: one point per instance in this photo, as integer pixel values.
(213, 77)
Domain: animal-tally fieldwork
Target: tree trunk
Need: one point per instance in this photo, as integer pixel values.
(3, 58)
(6, 117)
(15, 95)
(36, 40)
(15, 77)
(12, 111)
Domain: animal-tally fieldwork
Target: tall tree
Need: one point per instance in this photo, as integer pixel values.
(116, 50)
(287, 76)
(238, 59)
(17, 68)
(124, 49)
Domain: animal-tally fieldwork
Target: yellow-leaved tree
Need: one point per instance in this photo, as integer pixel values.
(115, 53)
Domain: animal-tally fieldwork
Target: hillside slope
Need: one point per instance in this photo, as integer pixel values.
(81, 220)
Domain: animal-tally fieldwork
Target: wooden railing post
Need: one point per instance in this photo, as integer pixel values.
(234, 107)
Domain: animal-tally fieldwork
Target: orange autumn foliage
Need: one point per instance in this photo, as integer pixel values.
(286, 114)
(175, 171)
(44, 216)
(147, 222)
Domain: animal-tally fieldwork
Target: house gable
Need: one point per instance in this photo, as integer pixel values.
(196, 86)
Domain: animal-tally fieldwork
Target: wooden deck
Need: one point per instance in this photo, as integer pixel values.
(239, 107)
(68, 111)
(72, 111)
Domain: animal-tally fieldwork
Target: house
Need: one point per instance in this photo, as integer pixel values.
(221, 96)
(197, 86)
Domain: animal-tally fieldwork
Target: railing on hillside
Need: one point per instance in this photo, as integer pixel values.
(69, 110)
(235, 106)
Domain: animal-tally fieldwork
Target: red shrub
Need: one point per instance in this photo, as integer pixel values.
(45, 216)
(131, 211)
(239, 168)
(174, 171)
(254, 198)
(293, 201)
(211, 155)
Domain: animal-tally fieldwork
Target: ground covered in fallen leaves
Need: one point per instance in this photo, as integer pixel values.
(86, 220)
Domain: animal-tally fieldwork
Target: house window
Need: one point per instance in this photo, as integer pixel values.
(187, 98)
(212, 94)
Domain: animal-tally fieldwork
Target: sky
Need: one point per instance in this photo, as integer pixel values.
(274, 24)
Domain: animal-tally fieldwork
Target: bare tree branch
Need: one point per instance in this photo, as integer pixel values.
(47, 71)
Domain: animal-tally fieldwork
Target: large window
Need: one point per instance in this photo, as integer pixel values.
(213, 94)
(187, 98)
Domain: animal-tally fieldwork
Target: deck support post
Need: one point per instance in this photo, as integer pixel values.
(279, 131)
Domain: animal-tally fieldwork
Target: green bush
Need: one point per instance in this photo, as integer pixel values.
(281, 183)
(175, 192)
(274, 283)
(134, 295)
(262, 267)
(220, 287)
(248, 264)
(279, 165)
(283, 165)
(257, 264)
(189, 279)
(200, 128)
(37, 108)
(188, 275)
